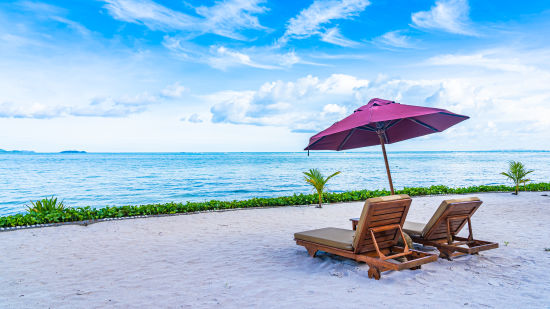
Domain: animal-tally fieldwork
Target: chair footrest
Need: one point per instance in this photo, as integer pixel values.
(474, 245)
(463, 245)
(414, 258)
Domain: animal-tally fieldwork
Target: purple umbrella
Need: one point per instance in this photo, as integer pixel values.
(383, 122)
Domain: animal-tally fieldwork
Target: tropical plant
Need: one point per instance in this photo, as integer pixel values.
(80, 214)
(517, 172)
(318, 181)
(46, 205)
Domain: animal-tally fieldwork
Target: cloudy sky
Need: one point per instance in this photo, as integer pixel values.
(252, 75)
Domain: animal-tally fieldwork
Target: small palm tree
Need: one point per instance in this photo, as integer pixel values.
(517, 172)
(46, 205)
(318, 181)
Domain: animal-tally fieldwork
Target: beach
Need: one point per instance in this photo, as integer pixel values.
(248, 259)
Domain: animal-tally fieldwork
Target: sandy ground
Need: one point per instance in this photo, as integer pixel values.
(248, 259)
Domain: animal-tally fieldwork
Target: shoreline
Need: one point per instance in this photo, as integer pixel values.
(89, 222)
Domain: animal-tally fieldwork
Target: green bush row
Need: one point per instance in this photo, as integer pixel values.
(88, 213)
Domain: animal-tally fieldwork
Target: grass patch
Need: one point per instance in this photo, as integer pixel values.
(69, 214)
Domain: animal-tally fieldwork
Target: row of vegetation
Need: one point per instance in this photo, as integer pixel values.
(51, 211)
(516, 173)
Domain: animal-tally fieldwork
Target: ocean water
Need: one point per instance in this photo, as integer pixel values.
(100, 179)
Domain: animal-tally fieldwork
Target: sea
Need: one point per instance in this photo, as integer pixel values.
(115, 179)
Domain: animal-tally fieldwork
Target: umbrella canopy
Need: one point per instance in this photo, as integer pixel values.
(383, 122)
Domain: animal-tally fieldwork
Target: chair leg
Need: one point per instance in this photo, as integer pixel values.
(445, 254)
(374, 273)
(311, 251)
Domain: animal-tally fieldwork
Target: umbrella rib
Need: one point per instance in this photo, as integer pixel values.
(346, 139)
(393, 123)
(424, 124)
(455, 115)
(367, 128)
(309, 147)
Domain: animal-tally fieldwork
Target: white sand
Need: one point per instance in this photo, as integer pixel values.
(248, 258)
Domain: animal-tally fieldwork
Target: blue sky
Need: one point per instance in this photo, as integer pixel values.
(245, 75)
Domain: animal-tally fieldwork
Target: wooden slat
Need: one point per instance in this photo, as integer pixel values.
(381, 214)
(387, 216)
(385, 222)
(442, 228)
(390, 204)
(389, 236)
(461, 207)
(378, 211)
(379, 235)
(460, 212)
(438, 235)
(381, 245)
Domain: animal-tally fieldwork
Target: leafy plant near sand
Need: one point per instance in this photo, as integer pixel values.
(88, 213)
(318, 181)
(46, 205)
(517, 172)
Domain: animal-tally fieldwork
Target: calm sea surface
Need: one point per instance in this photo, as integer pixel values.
(99, 179)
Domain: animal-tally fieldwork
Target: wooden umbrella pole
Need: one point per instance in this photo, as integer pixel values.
(386, 161)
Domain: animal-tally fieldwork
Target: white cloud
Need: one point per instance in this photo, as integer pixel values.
(222, 58)
(37, 111)
(224, 18)
(334, 36)
(446, 15)
(195, 118)
(45, 11)
(509, 102)
(311, 20)
(394, 39)
(303, 105)
(113, 107)
(97, 107)
(173, 91)
(485, 59)
(334, 109)
(150, 14)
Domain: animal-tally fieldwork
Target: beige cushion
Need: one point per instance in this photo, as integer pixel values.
(330, 236)
(442, 209)
(413, 228)
(365, 212)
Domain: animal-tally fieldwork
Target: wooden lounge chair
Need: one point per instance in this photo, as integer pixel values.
(374, 241)
(445, 224)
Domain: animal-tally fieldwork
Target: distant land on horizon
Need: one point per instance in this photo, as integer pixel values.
(3, 151)
(32, 151)
(16, 151)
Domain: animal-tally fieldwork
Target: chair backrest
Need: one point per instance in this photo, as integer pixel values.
(437, 226)
(380, 211)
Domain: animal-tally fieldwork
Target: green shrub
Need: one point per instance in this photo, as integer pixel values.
(57, 215)
(46, 205)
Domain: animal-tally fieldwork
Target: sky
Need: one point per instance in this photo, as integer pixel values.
(252, 75)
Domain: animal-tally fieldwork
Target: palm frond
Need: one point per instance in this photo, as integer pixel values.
(329, 177)
(46, 205)
(516, 173)
(316, 179)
